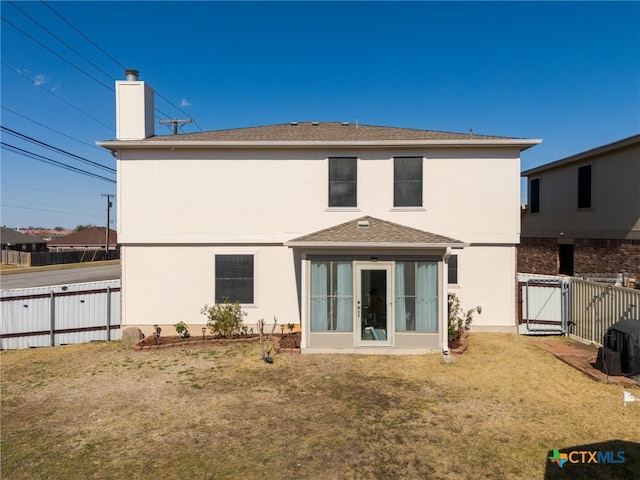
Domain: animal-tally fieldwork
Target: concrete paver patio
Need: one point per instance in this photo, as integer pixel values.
(579, 355)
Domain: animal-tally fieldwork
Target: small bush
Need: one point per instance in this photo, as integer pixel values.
(224, 319)
(458, 318)
(182, 329)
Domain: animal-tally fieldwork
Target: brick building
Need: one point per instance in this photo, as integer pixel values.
(583, 215)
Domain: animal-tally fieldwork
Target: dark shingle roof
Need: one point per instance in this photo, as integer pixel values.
(14, 237)
(319, 131)
(369, 230)
(92, 236)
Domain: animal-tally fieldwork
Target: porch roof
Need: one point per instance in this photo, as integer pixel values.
(372, 232)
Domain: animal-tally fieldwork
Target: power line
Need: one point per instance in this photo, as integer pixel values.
(53, 129)
(48, 204)
(53, 211)
(43, 159)
(56, 149)
(115, 61)
(58, 55)
(31, 80)
(83, 35)
(60, 40)
(47, 190)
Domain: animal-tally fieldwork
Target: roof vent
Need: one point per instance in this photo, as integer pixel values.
(294, 123)
(315, 123)
(362, 224)
(131, 75)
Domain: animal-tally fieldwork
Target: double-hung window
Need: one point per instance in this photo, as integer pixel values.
(234, 278)
(407, 182)
(343, 182)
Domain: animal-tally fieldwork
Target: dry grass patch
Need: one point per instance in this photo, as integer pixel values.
(102, 411)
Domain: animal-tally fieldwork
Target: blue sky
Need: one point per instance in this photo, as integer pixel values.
(568, 73)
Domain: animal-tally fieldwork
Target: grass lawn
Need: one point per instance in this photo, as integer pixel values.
(103, 411)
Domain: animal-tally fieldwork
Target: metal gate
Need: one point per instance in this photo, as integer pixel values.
(543, 305)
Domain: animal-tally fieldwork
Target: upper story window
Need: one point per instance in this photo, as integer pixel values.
(343, 181)
(234, 278)
(407, 182)
(534, 195)
(584, 187)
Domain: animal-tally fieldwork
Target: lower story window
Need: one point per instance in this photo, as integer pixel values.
(416, 295)
(234, 278)
(331, 296)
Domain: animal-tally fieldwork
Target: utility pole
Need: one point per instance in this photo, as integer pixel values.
(175, 123)
(106, 233)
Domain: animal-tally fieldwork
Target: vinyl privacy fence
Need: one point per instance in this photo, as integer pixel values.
(60, 315)
(581, 308)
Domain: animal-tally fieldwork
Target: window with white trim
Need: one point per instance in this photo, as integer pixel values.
(234, 278)
(452, 270)
(407, 182)
(343, 182)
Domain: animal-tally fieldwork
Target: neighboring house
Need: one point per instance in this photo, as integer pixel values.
(583, 214)
(356, 232)
(91, 238)
(14, 240)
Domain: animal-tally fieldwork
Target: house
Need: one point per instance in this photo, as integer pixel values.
(14, 240)
(583, 214)
(355, 232)
(90, 238)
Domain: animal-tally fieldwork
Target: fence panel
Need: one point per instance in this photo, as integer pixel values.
(60, 315)
(15, 257)
(596, 307)
(40, 259)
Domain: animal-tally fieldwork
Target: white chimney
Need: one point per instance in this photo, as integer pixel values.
(134, 108)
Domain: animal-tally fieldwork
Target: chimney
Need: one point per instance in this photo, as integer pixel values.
(134, 108)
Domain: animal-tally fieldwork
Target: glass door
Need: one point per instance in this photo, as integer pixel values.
(373, 304)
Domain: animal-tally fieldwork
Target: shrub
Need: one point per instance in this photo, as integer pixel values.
(182, 329)
(225, 318)
(458, 317)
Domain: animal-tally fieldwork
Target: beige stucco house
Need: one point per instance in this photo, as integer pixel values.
(355, 232)
(583, 214)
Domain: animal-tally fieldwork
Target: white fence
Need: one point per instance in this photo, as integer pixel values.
(60, 315)
(564, 305)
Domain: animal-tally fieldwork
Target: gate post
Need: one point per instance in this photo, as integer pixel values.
(53, 319)
(108, 314)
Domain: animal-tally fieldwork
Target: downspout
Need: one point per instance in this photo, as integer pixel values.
(444, 305)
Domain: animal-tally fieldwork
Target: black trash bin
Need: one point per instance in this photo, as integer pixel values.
(624, 338)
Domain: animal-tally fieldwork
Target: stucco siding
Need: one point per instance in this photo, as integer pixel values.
(486, 278)
(168, 284)
(250, 197)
